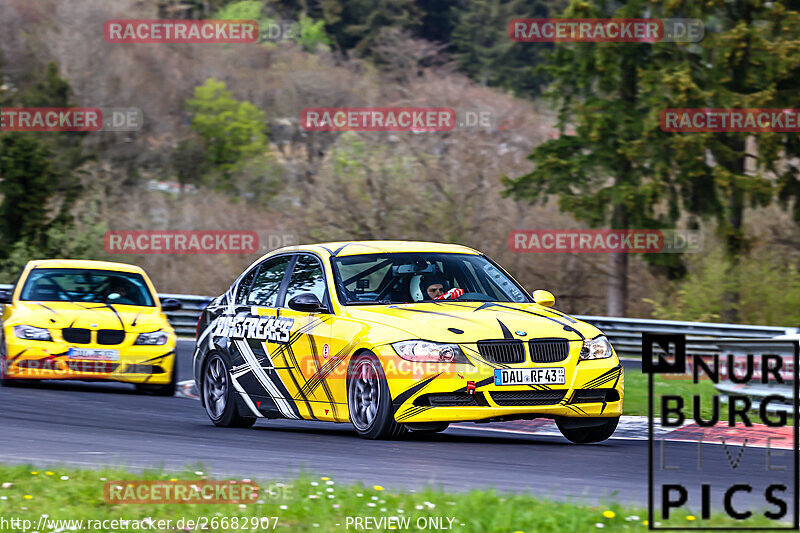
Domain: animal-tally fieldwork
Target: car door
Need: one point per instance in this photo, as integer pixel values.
(256, 333)
(308, 352)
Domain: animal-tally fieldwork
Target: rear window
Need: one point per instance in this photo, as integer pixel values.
(86, 285)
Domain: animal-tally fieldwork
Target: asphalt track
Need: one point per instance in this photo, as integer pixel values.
(108, 424)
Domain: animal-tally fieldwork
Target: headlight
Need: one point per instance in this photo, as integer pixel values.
(430, 352)
(155, 338)
(597, 348)
(32, 333)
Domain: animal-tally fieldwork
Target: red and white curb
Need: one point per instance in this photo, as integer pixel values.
(636, 428)
(187, 389)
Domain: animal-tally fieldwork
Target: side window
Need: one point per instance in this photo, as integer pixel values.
(306, 277)
(264, 291)
(244, 286)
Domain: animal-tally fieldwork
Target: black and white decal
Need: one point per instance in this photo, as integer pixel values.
(264, 328)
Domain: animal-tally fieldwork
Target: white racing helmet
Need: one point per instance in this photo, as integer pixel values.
(415, 286)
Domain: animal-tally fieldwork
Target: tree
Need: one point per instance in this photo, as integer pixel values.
(599, 171)
(66, 148)
(437, 19)
(483, 49)
(748, 59)
(38, 172)
(621, 169)
(27, 181)
(357, 24)
(233, 142)
(230, 130)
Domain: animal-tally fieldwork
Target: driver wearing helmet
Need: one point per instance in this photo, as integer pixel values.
(433, 288)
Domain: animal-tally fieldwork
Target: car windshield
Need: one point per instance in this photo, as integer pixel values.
(86, 285)
(415, 277)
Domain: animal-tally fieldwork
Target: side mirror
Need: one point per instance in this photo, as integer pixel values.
(171, 304)
(544, 298)
(306, 302)
(5, 296)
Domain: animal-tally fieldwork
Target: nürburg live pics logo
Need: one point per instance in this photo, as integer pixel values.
(724, 457)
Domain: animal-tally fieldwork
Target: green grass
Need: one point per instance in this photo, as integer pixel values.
(304, 504)
(636, 394)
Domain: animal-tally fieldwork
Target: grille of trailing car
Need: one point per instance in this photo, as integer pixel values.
(77, 335)
(595, 396)
(502, 351)
(548, 350)
(144, 369)
(512, 398)
(101, 367)
(110, 336)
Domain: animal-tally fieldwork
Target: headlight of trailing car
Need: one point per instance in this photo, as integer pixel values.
(155, 338)
(430, 352)
(597, 348)
(32, 333)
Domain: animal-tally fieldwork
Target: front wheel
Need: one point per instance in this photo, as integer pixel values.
(218, 395)
(369, 401)
(586, 430)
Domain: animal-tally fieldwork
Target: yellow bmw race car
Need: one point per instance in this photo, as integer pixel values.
(394, 336)
(87, 320)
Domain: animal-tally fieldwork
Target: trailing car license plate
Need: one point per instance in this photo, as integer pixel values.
(529, 376)
(93, 354)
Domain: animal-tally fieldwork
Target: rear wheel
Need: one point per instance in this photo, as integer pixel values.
(586, 430)
(162, 390)
(369, 401)
(218, 395)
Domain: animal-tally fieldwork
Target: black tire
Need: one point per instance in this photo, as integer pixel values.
(427, 427)
(219, 397)
(369, 401)
(162, 390)
(586, 430)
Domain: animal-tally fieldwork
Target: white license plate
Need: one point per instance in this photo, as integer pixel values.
(529, 376)
(93, 355)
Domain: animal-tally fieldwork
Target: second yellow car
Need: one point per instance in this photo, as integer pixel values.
(87, 320)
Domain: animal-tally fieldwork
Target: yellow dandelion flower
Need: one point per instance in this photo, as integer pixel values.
(325, 478)
(34, 473)
(691, 518)
(28, 497)
(173, 479)
(377, 487)
(645, 522)
(48, 473)
(609, 514)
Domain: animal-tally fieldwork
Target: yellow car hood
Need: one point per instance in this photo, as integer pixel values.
(58, 315)
(477, 320)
